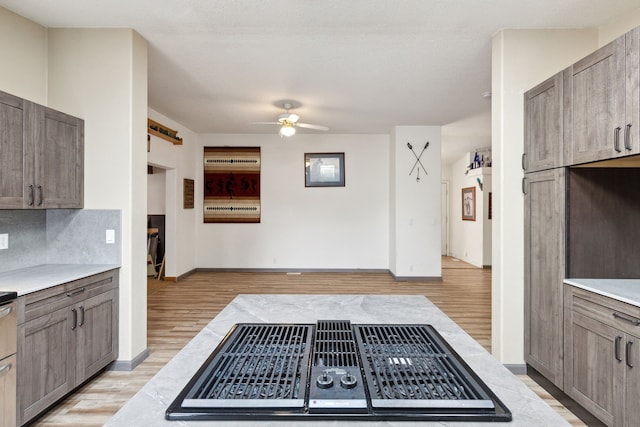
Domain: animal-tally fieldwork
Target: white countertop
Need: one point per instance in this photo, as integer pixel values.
(625, 290)
(39, 277)
(148, 406)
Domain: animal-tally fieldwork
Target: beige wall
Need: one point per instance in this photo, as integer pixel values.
(100, 75)
(23, 48)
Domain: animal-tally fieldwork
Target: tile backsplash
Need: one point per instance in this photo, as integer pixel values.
(59, 236)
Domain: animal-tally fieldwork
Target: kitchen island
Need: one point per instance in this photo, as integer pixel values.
(148, 406)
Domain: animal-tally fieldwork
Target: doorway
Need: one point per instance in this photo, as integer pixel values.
(444, 217)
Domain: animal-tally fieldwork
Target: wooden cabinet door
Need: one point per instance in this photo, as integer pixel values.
(46, 361)
(59, 172)
(97, 343)
(631, 397)
(632, 110)
(595, 105)
(12, 152)
(8, 391)
(544, 272)
(543, 142)
(592, 372)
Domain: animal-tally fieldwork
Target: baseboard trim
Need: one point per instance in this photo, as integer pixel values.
(187, 274)
(517, 369)
(170, 279)
(292, 270)
(129, 365)
(416, 278)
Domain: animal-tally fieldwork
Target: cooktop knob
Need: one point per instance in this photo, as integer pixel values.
(348, 381)
(325, 380)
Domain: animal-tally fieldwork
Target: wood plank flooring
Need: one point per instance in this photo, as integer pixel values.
(178, 311)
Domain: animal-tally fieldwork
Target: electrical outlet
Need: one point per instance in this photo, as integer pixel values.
(4, 241)
(111, 237)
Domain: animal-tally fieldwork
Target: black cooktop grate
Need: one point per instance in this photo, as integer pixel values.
(334, 344)
(259, 365)
(411, 366)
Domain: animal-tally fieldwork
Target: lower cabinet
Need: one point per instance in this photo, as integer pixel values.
(602, 356)
(60, 348)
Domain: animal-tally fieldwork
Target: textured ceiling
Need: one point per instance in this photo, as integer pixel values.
(357, 66)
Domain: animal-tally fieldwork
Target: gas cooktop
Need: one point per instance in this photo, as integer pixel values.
(336, 370)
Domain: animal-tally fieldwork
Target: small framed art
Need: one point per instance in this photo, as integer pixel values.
(324, 170)
(469, 204)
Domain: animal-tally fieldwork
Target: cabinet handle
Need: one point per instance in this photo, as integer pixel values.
(82, 315)
(616, 139)
(5, 311)
(75, 318)
(523, 166)
(4, 370)
(41, 199)
(628, 354)
(75, 292)
(627, 137)
(617, 348)
(31, 196)
(524, 191)
(632, 320)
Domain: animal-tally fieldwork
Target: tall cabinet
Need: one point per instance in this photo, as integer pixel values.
(544, 225)
(41, 156)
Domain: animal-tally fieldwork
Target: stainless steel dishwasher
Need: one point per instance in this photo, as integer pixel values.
(8, 344)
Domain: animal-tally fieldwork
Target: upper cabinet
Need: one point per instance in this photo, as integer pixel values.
(543, 132)
(42, 156)
(12, 150)
(601, 103)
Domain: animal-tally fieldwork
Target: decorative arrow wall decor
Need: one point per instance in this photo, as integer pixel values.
(418, 162)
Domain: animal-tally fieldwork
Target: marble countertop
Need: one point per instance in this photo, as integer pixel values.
(148, 406)
(625, 290)
(39, 277)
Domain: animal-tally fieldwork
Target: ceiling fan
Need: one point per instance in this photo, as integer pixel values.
(288, 121)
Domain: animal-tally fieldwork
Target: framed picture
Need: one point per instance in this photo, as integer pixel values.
(324, 170)
(469, 204)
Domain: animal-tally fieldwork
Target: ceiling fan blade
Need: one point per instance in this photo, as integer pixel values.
(265, 123)
(308, 126)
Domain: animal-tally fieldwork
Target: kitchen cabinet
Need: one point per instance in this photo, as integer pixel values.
(8, 364)
(42, 156)
(602, 356)
(602, 102)
(12, 183)
(544, 202)
(66, 334)
(543, 131)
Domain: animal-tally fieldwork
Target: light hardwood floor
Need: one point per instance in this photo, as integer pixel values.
(177, 311)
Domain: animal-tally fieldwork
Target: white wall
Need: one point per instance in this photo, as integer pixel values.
(305, 228)
(23, 48)
(415, 223)
(101, 76)
(179, 162)
(520, 60)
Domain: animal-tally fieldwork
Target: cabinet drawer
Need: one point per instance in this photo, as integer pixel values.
(8, 329)
(40, 303)
(617, 314)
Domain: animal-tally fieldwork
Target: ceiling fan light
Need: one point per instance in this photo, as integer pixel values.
(287, 130)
